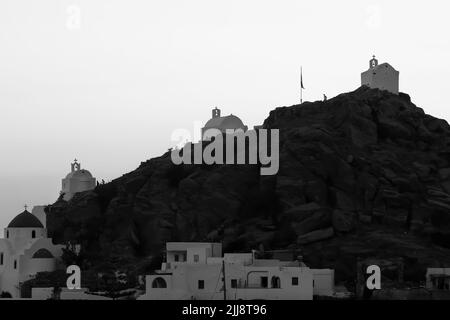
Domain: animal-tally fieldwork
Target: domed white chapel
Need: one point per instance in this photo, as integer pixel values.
(24, 251)
(78, 180)
(222, 124)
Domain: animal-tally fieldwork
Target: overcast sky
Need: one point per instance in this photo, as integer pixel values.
(107, 81)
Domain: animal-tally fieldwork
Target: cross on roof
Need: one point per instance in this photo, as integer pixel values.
(26, 207)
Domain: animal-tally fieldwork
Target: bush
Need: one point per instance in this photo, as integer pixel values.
(55, 279)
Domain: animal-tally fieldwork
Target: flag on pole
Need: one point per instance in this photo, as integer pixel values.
(301, 85)
(301, 78)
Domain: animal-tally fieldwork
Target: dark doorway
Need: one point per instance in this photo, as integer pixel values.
(159, 283)
(264, 282)
(276, 283)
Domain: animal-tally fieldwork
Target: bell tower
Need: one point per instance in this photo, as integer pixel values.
(216, 113)
(76, 166)
(373, 62)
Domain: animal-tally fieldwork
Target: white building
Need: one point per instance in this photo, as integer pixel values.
(25, 251)
(199, 271)
(383, 77)
(218, 124)
(78, 180)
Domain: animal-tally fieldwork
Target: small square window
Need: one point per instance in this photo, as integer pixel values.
(196, 258)
(295, 281)
(201, 284)
(234, 283)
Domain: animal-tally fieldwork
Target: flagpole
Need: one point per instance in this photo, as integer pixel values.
(301, 85)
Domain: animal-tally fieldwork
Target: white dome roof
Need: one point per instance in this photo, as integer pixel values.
(223, 123)
(81, 174)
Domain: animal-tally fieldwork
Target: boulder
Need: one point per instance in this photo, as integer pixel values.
(363, 132)
(317, 220)
(315, 236)
(390, 128)
(444, 174)
(343, 221)
(439, 204)
(446, 186)
(343, 200)
(303, 210)
(422, 170)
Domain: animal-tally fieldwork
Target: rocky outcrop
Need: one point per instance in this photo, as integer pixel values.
(315, 236)
(362, 162)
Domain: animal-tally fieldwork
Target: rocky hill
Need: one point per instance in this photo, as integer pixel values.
(365, 174)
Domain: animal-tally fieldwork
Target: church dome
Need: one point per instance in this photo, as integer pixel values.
(25, 220)
(223, 123)
(80, 174)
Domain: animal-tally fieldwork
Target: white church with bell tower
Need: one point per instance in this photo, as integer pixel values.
(25, 251)
(78, 180)
(381, 76)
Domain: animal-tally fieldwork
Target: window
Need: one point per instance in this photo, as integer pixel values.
(33, 234)
(295, 281)
(1, 259)
(184, 256)
(234, 283)
(15, 264)
(201, 284)
(7, 234)
(176, 258)
(196, 258)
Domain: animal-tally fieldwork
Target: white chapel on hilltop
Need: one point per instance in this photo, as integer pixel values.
(221, 124)
(78, 180)
(381, 76)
